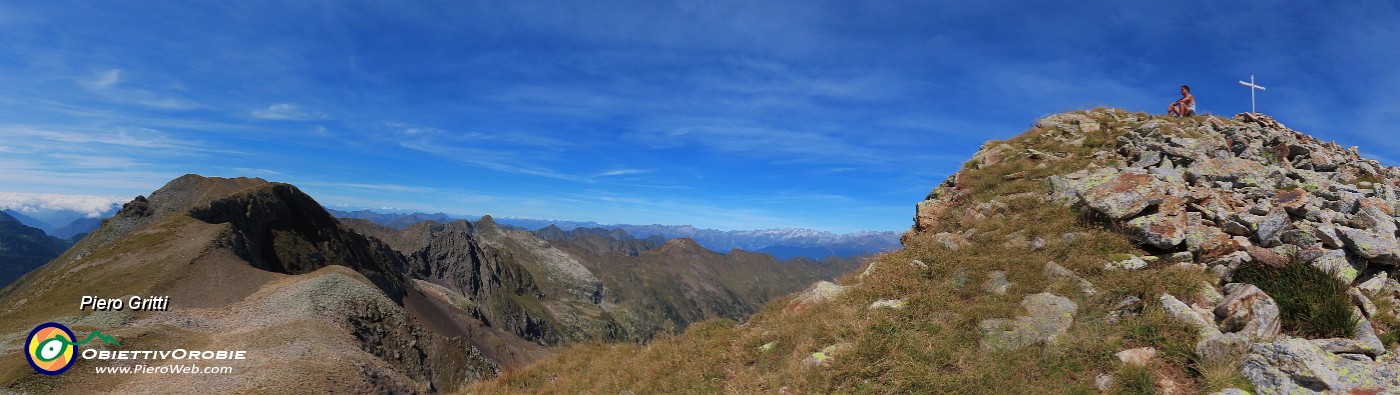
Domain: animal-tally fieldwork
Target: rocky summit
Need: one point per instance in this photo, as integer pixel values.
(1101, 251)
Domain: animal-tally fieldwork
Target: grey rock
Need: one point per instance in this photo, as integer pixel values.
(1053, 269)
(1129, 263)
(1047, 317)
(869, 270)
(1364, 342)
(1128, 307)
(1179, 310)
(1248, 310)
(1120, 195)
(996, 282)
(1222, 346)
(1375, 284)
(887, 304)
(1297, 366)
(818, 293)
(1368, 309)
(918, 264)
(1370, 217)
(1328, 236)
(1209, 293)
(1271, 226)
(1141, 356)
(1336, 263)
(1371, 246)
(960, 278)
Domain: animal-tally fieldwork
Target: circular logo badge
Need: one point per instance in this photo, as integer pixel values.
(50, 349)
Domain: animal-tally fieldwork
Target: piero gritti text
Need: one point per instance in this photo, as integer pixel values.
(133, 303)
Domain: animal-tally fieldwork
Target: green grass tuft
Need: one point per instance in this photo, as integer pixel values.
(1311, 302)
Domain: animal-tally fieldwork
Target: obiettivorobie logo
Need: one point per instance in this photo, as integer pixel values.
(50, 347)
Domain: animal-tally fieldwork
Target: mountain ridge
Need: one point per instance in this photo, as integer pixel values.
(255, 265)
(784, 243)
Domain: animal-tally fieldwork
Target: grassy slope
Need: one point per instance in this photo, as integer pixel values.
(932, 345)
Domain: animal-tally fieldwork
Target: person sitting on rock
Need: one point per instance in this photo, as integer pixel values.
(1184, 107)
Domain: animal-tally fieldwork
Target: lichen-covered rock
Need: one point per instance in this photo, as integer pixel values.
(1179, 310)
(825, 356)
(1159, 230)
(1336, 263)
(1121, 195)
(1248, 310)
(1297, 366)
(996, 282)
(1377, 247)
(819, 292)
(1047, 317)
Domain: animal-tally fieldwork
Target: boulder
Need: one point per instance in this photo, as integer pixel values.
(1159, 230)
(1179, 310)
(1121, 195)
(1297, 366)
(819, 292)
(1125, 263)
(1247, 309)
(1047, 317)
(951, 241)
(1371, 246)
(1336, 263)
(1130, 306)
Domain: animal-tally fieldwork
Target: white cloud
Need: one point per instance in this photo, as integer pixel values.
(287, 112)
(91, 206)
(108, 78)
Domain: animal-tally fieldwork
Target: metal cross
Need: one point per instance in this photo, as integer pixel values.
(1252, 86)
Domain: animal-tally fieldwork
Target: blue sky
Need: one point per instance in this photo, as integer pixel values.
(724, 114)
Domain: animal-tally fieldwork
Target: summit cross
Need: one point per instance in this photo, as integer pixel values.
(1252, 86)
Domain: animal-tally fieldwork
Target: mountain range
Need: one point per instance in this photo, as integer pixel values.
(61, 224)
(350, 306)
(784, 243)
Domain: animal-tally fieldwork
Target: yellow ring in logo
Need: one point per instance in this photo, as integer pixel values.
(49, 348)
